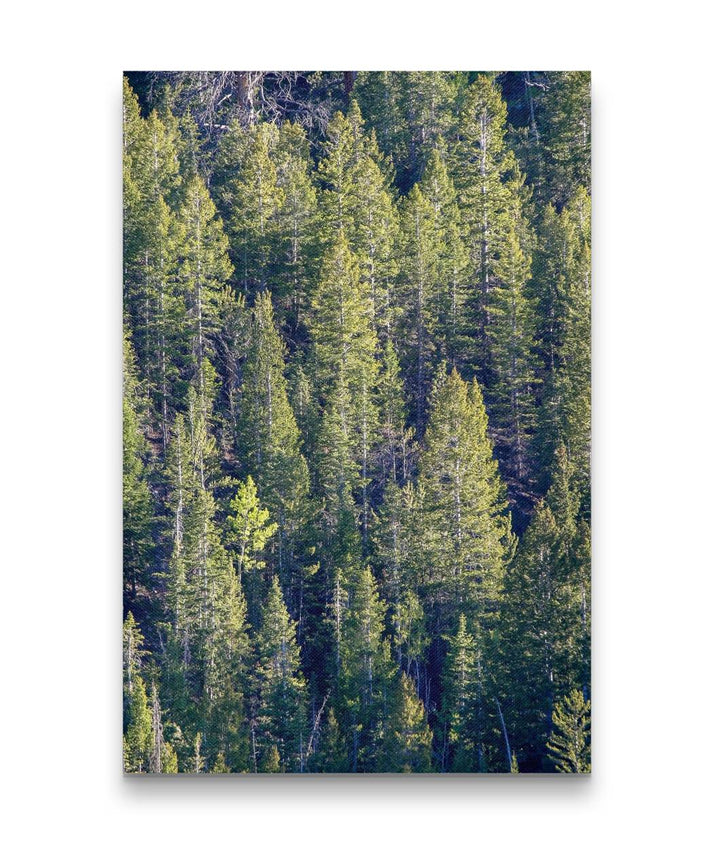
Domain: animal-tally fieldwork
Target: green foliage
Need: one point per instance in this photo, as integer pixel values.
(353, 340)
(463, 506)
(269, 439)
(408, 741)
(569, 745)
(282, 692)
(462, 713)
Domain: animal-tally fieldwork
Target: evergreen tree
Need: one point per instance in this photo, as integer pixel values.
(466, 527)
(561, 281)
(569, 745)
(564, 130)
(355, 200)
(282, 691)
(152, 237)
(249, 531)
(452, 260)
(408, 743)
(138, 742)
(366, 670)
(297, 225)
(254, 198)
(395, 440)
(462, 749)
(269, 439)
(344, 346)
(205, 267)
(137, 500)
(509, 330)
(419, 293)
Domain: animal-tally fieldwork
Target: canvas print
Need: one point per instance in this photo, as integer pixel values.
(356, 422)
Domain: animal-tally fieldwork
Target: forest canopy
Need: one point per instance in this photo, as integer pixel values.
(356, 422)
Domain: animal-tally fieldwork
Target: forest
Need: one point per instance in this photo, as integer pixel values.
(356, 422)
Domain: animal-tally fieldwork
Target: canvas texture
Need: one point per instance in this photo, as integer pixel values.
(356, 422)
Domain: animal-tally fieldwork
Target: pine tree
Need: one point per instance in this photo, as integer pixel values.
(452, 261)
(344, 347)
(297, 225)
(561, 282)
(510, 327)
(411, 112)
(282, 691)
(395, 440)
(366, 670)
(408, 741)
(564, 130)
(205, 267)
(479, 161)
(249, 531)
(254, 199)
(537, 605)
(461, 716)
(356, 201)
(419, 293)
(137, 500)
(137, 742)
(466, 527)
(153, 234)
(569, 745)
(269, 439)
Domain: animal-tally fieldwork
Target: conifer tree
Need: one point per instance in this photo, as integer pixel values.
(537, 606)
(297, 226)
(282, 691)
(561, 282)
(254, 199)
(419, 293)
(480, 158)
(137, 500)
(408, 742)
(152, 237)
(569, 745)
(249, 531)
(205, 267)
(344, 347)
(355, 200)
(509, 329)
(138, 742)
(462, 749)
(366, 670)
(452, 261)
(564, 130)
(395, 439)
(466, 527)
(269, 439)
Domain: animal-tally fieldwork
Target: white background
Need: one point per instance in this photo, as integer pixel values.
(655, 188)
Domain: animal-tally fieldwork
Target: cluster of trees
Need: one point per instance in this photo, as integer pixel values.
(356, 422)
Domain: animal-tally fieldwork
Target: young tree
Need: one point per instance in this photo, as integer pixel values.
(249, 531)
